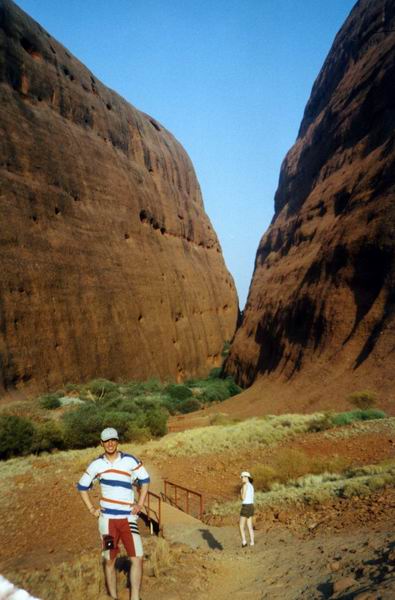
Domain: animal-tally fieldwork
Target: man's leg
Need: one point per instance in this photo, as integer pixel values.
(136, 571)
(111, 577)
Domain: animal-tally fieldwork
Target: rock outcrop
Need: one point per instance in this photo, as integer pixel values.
(319, 318)
(109, 264)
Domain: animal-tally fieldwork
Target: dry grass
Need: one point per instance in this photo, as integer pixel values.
(289, 464)
(357, 428)
(160, 558)
(82, 578)
(316, 489)
(251, 433)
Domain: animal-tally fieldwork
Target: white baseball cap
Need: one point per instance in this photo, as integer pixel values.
(245, 474)
(109, 434)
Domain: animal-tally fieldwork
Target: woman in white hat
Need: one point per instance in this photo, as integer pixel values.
(247, 508)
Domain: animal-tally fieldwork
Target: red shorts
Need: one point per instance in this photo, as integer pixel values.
(113, 531)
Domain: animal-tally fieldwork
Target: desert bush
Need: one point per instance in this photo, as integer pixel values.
(321, 423)
(82, 427)
(189, 405)
(346, 418)
(47, 436)
(16, 436)
(215, 373)
(216, 391)
(101, 387)
(156, 422)
(264, 476)
(222, 419)
(178, 391)
(232, 386)
(50, 401)
(138, 434)
(362, 400)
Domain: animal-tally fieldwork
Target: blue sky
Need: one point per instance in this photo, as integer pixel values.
(229, 78)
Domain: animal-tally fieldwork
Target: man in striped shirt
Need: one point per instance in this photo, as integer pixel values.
(118, 513)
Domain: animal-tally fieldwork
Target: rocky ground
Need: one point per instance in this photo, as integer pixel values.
(343, 549)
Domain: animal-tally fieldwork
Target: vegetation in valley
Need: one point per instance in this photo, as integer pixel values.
(74, 416)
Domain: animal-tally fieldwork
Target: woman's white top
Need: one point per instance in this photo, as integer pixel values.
(248, 494)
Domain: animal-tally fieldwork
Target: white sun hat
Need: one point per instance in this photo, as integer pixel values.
(245, 474)
(109, 434)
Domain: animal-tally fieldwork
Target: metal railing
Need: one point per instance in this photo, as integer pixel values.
(154, 515)
(181, 497)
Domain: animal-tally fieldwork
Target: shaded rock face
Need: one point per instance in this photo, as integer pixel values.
(109, 264)
(321, 303)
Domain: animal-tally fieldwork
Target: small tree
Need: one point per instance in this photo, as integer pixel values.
(16, 436)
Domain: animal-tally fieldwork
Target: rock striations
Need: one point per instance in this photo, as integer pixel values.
(319, 318)
(109, 264)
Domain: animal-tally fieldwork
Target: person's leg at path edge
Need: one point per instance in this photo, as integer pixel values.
(250, 530)
(111, 577)
(136, 570)
(242, 524)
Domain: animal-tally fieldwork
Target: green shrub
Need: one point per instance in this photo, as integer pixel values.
(101, 387)
(47, 436)
(215, 373)
(346, 418)
(16, 436)
(321, 423)
(178, 391)
(170, 404)
(189, 405)
(82, 427)
(50, 401)
(362, 400)
(232, 386)
(117, 419)
(128, 405)
(216, 391)
(156, 422)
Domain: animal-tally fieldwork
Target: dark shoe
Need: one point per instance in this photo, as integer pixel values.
(244, 545)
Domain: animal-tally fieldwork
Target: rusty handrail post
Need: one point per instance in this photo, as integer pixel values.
(187, 501)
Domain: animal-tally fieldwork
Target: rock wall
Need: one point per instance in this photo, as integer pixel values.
(109, 264)
(320, 311)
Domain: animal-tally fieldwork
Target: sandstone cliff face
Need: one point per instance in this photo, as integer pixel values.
(320, 312)
(109, 264)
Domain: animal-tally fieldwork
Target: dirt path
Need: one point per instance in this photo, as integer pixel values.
(300, 553)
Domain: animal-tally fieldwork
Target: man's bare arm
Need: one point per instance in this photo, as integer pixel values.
(87, 501)
(142, 496)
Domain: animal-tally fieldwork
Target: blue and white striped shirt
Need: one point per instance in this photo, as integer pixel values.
(116, 483)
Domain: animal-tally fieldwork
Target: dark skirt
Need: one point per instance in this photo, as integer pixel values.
(247, 510)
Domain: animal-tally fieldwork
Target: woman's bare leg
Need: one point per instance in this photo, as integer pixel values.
(250, 530)
(242, 525)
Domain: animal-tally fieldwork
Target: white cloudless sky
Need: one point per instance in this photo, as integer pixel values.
(229, 78)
